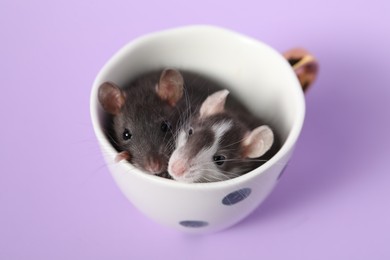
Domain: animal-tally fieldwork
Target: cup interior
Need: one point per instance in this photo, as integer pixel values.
(254, 72)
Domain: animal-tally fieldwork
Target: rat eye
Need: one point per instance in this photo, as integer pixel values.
(165, 126)
(126, 135)
(190, 131)
(219, 159)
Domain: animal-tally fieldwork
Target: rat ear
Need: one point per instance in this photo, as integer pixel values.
(214, 104)
(258, 142)
(170, 87)
(111, 97)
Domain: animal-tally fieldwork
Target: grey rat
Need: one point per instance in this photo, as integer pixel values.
(143, 114)
(220, 143)
(146, 113)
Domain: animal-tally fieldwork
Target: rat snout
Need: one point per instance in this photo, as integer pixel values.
(154, 166)
(178, 168)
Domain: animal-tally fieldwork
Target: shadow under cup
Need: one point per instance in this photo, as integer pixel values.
(253, 72)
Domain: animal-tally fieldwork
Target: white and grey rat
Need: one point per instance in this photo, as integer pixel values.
(220, 143)
(145, 114)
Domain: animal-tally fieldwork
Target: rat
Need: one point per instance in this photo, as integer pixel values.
(145, 115)
(142, 116)
(220, 143)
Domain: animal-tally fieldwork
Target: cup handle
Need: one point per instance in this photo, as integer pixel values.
(304, 64)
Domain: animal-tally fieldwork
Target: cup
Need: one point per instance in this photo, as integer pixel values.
(256, 74)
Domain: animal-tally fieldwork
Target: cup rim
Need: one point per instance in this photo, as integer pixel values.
(288, 144)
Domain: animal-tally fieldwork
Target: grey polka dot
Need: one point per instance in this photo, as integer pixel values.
(193, 223)
(236, 196)
(281, 173)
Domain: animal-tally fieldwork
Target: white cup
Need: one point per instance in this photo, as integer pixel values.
(253, 72)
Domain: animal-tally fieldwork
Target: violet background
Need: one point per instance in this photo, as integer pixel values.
(58, 200)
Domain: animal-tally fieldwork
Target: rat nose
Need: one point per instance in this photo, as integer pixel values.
(178, 168)
(154, 166)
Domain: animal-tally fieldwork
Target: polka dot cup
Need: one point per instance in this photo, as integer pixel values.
(255, 73)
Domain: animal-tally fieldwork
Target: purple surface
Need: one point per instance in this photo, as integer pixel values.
(58, 201)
